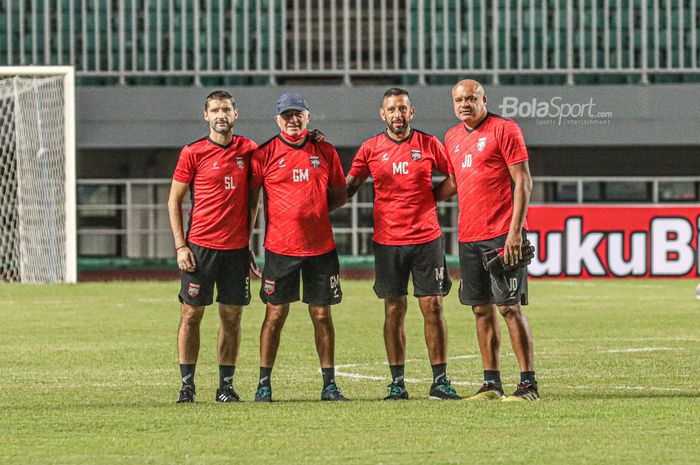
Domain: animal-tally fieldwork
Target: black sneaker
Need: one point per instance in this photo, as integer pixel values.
(263, 394)
(524, 392)
(332, 393)
(187, 394)
(489, 391)
(396, 392)
(443, 390)
(227, 394)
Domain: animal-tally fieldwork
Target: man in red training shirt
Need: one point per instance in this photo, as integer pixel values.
(215, 250)
(302, 181)
(490, 172)
(407, 236)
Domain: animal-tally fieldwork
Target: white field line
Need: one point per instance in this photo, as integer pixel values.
(349, 374)
(641, 349)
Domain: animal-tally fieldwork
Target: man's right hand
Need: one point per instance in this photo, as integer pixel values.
(185, 259)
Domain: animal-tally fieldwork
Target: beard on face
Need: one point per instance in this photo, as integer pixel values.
(215, 126)
(397, 131)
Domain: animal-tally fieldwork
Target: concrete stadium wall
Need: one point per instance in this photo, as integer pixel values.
(622, 115)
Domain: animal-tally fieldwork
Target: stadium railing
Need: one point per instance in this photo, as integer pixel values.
(248, 42)
(128, 218)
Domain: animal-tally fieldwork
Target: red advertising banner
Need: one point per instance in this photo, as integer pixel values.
(614, 241)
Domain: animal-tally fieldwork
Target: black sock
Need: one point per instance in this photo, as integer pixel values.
(397, 374)
(439, 372)
(528, 377)
(492, 376)
(187, 373)
(328, 376)
(265, 374)
(226, 375)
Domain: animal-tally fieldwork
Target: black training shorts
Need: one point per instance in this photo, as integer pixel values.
(320, 273)
(228, 269)
(424, 262)
(478, 286)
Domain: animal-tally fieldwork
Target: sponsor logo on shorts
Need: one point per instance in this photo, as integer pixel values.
(269, 287)
(193, 290)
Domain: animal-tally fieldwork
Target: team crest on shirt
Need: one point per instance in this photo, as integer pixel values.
(416, 154)
(269, 287)
(240, 163)
(481, 144)
(315, 161)
(193, 290)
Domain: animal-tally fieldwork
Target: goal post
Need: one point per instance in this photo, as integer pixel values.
(38, 234)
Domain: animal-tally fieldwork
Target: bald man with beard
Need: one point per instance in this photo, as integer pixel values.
(489, 172)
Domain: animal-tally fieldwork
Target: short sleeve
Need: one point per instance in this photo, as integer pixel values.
(185, 169)
(360, 167)
(257, 165)
(512, 144)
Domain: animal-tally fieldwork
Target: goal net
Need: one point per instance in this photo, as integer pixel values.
(37, 185)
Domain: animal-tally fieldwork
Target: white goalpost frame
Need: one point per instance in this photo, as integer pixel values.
(68, 72)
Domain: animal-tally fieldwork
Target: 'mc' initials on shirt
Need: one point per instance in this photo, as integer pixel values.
(401, 167)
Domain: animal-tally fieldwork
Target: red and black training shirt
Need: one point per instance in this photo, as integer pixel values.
(296, 180)
(218, 179)
(479, 159)
(404, 205)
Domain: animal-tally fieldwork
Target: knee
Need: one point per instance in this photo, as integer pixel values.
(510, 311)
(483, 311)
(192, 316)
(231, 321)
(275, 319)
(432, 307)
(395, 309)
(322, 318)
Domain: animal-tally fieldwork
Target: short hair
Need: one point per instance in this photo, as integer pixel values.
(219, 95)
(396, 91)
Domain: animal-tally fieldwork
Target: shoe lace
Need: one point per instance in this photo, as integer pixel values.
(263, 391)
(332, 389)
(523, 388)
(395, 389)
(186, 392)
(446, 386)
(489, 386)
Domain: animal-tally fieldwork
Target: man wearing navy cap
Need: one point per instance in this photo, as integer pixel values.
(303, 181)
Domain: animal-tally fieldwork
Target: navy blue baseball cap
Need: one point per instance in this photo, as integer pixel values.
(291, 101)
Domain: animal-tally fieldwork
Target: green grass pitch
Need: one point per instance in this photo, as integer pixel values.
(89, 375)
